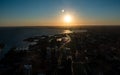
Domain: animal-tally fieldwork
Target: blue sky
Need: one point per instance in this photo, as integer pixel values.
(48, 12)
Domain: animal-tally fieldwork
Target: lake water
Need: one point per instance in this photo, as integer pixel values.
(13, 36)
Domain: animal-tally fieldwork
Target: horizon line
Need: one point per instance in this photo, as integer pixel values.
(58, 26)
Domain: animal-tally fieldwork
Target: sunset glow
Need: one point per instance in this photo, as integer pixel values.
(67, 18)
(59, 12)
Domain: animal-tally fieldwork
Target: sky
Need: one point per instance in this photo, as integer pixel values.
(49, 12)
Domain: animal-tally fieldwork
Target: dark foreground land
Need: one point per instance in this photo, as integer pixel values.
(82, 53)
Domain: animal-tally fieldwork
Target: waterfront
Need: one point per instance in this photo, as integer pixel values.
(86, 52)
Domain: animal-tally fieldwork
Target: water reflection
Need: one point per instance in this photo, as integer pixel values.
(72, 31)
(67, 31)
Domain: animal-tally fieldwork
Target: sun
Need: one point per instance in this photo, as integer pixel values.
(67, 18)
